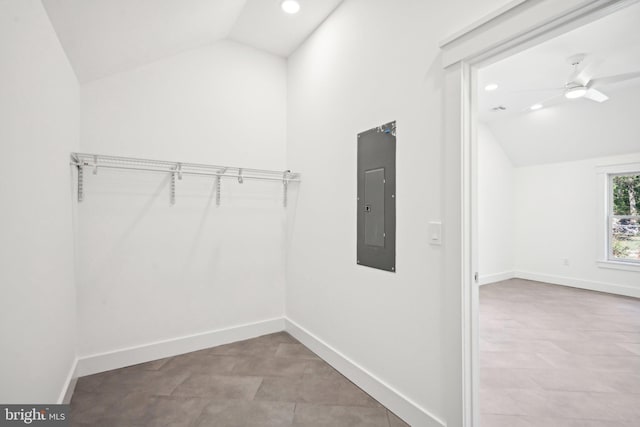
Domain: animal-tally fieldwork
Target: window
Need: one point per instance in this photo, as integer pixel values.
(624, 217)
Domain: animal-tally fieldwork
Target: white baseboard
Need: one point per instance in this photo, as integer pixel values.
(610, 288)
(384, 393)
(69, 384)
(93, 364)
(495, 277)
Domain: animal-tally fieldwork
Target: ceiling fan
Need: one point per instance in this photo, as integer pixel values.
(581, 83)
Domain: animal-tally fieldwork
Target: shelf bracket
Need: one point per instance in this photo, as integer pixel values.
(172, 195)
(240, 179)
(285, 185)
(218, 186)
(95, 165)
(80, 183)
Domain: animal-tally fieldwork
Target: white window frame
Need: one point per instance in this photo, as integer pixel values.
(605, 181)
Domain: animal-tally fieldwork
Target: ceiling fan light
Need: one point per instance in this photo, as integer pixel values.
(290, 6)
(575, 92)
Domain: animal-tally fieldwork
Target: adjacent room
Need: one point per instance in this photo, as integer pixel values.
(255, 213)
(559, 229)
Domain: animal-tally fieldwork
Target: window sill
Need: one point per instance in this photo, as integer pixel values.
(619, 265)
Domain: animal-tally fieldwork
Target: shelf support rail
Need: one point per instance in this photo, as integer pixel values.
(218, 185)
(285, 185)
(172, 189)
(80, 183)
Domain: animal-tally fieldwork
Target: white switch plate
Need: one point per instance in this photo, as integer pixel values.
(435, 233)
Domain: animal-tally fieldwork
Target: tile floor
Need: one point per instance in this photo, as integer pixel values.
(267, 381)
(552, 356)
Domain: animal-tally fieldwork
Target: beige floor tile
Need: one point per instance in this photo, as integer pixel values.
(631, 347)
(88, 407)
(588, 377)
(279, 389)
(261, 348)
(564, 422)
(309, 415)
(253, 383)
(240, 413)
(174, 412)
(493, 420)
(618, 337)
(295, 350)
(395, 421)
(623, 382)
(507, 360)
(521, 346)
(131, 409)
(320, 368)
(331, 391)
(508, 378)
(572, 380)
(127, 381)
(200, 364)
(273, 366)
(596, 362)
(594, 348)
(219, 387)
(90, 383)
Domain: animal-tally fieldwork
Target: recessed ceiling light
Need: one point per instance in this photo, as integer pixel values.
(535, 107)
(290, 6)
(576, 92)
(490, 87)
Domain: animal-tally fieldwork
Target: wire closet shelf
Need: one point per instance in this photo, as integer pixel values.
(94, 162)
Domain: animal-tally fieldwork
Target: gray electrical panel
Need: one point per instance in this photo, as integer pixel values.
(377, 197)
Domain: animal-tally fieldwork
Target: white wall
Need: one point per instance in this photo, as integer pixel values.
(371, 62)
(224, 103)
(148, 271)
(38, 129)
(557, 211)
(496, 209)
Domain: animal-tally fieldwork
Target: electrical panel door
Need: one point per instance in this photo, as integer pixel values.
(376, 197)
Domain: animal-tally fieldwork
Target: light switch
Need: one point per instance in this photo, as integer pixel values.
(435, 233)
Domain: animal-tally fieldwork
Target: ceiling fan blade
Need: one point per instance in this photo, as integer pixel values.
(544, 89)
(596, 95)
(548, 102)
(615, 79)
(585, 75)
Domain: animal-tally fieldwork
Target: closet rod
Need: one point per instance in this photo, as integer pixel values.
(188, 172)
(177, 169)
(97, 161)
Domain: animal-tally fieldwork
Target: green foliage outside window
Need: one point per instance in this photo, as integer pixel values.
(620, 250)
(625, 237)
(626, 195)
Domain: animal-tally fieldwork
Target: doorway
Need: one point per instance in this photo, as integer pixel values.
(551, 351)
(512, 29)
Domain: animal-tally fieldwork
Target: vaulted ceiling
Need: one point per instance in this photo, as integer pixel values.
(566, 130)
(103, 37)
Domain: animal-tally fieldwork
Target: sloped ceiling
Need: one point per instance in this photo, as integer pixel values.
(103, 37)
(567, 130)
(263, 25)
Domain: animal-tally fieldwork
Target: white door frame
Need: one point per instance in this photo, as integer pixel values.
(513, 28)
